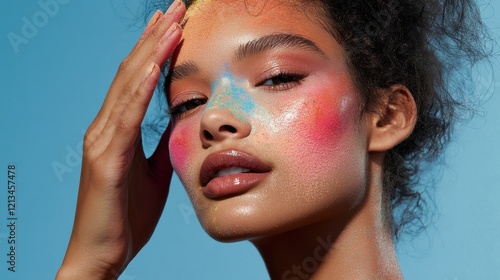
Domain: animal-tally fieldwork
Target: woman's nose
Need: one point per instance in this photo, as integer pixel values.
(226, 114)
(219, 123)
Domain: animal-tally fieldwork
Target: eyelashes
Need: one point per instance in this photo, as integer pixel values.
(185, 107)
(281, 81)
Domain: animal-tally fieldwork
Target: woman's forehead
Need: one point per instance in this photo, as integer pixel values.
(233, 22)
(216, 31)
(208, 9)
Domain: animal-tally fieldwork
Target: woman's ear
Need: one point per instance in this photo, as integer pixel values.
(392, 120)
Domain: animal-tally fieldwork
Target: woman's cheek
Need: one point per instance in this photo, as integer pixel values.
(325, 131)
(324, 117)
(180, 148)
(328, 118)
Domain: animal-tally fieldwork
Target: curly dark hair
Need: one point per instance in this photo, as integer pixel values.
(423, 45)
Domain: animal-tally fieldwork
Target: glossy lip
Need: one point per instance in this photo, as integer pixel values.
(234, 183)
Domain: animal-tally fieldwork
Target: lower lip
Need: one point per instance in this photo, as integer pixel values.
(232, 184)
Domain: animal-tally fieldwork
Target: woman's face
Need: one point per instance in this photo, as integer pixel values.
(268, 134)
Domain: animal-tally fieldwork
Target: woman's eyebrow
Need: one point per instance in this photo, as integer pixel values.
(251, 48)
(181, 71)
(276, 40)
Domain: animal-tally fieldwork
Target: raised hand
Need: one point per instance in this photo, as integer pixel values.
(122, 194)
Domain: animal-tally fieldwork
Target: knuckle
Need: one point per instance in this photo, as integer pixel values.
(88, 140)
(138, 96)
(155, 52)
(125, 64)
(86, 146)
(157, 33)
(124, 124)
(90, 153)
(88, 136)
(126, 91)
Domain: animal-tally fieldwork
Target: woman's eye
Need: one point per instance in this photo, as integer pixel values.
(186, 106)
(282, 81)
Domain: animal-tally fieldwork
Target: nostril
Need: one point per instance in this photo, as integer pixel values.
(227, 128)
(208, 136)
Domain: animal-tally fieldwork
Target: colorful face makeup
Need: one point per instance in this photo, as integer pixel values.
(227, 95)
(272, 139)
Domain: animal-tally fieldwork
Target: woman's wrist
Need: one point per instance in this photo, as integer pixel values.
(81, 267)
(71, 271)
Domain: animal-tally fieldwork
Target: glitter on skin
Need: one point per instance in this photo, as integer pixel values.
(228, 95)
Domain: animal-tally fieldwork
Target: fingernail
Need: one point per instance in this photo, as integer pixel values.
(173, 7)
(154, 18)
(150, 70)
(170, 30)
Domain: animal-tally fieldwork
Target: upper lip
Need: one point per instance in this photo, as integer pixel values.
(230, 158)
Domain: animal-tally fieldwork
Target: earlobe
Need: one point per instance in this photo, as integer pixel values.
(392, 120)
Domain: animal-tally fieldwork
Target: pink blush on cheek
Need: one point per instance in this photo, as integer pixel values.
(327, 117)
(179, 148)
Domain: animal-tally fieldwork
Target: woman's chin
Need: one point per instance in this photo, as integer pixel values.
(230, 227)
(230, 230)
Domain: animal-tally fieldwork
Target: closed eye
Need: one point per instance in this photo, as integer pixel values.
(282, 81)
(186, 106)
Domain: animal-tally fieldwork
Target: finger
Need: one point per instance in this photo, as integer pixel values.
(148, 28)
(166, 45)
(122, 116)
(173, 14)
(159, 55)
(162, 51)
(121, 109)
(125, 126)
(139, 57)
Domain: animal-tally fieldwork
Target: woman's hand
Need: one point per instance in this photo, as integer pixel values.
(122, 194)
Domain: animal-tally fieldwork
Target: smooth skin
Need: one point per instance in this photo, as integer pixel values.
(319, 213)
(122, 194)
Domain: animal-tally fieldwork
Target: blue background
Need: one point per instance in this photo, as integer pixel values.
(52, 87)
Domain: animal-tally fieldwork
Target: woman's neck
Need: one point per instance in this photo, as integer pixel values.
(355, 247)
